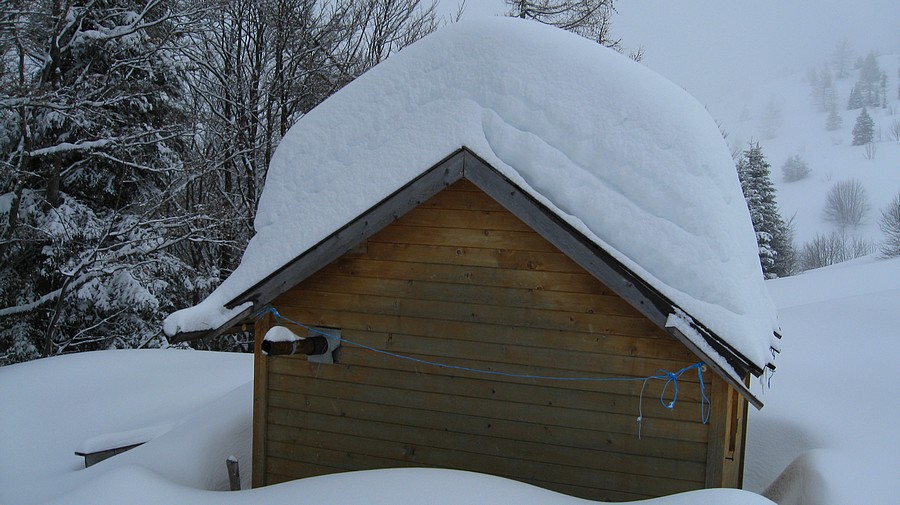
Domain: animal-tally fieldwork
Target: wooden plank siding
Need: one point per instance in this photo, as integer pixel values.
(461, 281)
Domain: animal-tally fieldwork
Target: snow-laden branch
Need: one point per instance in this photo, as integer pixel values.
(65, 147)
(47, 298)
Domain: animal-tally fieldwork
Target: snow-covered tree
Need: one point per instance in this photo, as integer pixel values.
(91, 143)
(840, 59)
(794, 169)
(823, 92)
(871, 83)
(889, 222)
(855, 101)
(863, 129)
(773, 234)
(770, 120)
(833, 121)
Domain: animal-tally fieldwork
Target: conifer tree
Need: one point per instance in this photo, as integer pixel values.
(833, 121)
(91, 145)
(773, 235)
(824, 94)
(856, 100)
(864, 129)
(871, 87)
(795, 168)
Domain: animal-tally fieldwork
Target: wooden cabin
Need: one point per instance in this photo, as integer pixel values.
(464, 278)
(482, 327)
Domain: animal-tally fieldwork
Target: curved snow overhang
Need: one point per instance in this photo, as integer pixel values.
(715, 351)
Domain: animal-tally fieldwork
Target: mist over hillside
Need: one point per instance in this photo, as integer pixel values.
(782, 115)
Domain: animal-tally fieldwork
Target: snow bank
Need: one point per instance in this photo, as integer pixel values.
(119, 439)
(373, 487)
(53, 406)
(831, 403)
(623, 155)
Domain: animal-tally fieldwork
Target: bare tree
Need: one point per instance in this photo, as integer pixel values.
(258, 67)
(889, 222)
(834, 248)
(841, 58)
(847, 203)
(589, 18)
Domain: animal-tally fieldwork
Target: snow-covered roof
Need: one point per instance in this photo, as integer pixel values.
(619, 153)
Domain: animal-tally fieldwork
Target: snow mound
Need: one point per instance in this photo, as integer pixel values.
(620, 153)
(830, 415)
(54, 406)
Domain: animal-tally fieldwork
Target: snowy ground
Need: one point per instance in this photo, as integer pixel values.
(830, 407)
(832, 400)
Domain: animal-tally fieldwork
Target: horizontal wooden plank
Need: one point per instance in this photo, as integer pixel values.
(560, 361)
(522, 278)
(536, 298)
(530, 450)
(463, 200)
(464, 185)
(524, 241)
(540, 261)
(546, 360)
(421, 451)
(471, 312)
(292, 467)
(471, 422)
(555, 412)
(302, 460)
(463, 218)
(602, 396)
(654, 345)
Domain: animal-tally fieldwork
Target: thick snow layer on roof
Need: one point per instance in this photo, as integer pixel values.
(620, 153)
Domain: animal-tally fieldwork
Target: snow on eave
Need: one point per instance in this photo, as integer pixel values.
(626, 158)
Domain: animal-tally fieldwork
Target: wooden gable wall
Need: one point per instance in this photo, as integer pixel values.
(460, 280)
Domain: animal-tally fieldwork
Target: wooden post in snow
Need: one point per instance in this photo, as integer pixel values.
(234, 474)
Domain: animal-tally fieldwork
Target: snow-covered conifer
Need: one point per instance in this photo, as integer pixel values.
(864, 129)
(856, 100)
(773, 234)
(833, 121)
(92, 158)
(795, 168)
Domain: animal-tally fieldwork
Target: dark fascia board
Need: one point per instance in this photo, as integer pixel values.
(463, 163)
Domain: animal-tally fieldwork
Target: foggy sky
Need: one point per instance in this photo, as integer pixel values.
(712, 47)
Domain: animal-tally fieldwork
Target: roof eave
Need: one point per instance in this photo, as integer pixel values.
(464, 163)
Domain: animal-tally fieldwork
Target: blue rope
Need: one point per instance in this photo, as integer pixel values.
(671, 378)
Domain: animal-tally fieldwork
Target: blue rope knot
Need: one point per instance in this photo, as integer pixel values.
(671, 378)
